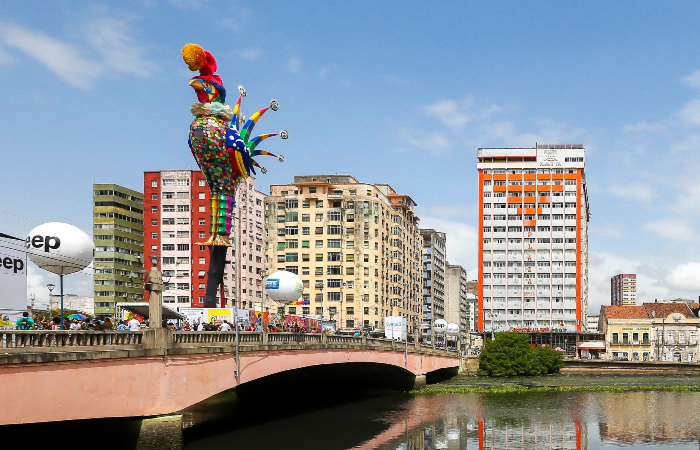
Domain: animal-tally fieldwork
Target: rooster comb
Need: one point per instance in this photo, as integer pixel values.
(197, 58)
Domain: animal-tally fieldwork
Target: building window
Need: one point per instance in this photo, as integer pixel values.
(615, 338)
(168, 247)
(154, 183)
(334, 297)
(183, 182)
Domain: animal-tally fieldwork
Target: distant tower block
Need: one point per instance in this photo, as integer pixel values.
(623, 289)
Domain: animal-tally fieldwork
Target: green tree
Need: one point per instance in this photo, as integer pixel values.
(510, 354)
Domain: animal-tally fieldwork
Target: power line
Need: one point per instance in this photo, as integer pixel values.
(21, 217)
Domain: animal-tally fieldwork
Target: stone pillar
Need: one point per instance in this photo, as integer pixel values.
(155, 298)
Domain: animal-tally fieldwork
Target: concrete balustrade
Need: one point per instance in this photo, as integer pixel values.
(28, 341)
(119, 344)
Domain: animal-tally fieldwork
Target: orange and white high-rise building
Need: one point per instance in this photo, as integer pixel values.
(533, 246)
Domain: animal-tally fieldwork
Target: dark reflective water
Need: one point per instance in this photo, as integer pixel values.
(574, 420)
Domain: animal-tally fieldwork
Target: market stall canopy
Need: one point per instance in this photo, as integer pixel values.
(141, 309)
(592, 345)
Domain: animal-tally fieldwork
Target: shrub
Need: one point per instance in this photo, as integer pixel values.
(510, 354)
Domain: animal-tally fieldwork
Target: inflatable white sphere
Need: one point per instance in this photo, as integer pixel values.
(452, 329)
(60, 248)
(283, 286)
(440, 326)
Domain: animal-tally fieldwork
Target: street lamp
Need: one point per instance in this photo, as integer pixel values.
(51, 287)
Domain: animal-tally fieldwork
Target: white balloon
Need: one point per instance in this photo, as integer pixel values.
(283, 286)
(60, 248)
(452, 329)
(440, 326)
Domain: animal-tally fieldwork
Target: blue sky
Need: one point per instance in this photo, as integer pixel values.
(400, 93)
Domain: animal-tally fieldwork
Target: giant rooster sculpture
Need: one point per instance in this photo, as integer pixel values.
(221, 143)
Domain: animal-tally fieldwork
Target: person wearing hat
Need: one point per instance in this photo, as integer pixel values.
(74, 325)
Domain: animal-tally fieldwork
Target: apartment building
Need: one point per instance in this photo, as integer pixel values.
(533, 238)
(356, 246)
(118, 237)
(456, 303)
(178, 216)
(623, 289)
(592, 324)
(433, 258)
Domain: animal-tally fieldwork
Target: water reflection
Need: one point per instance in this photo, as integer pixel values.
(547, 421)
(572, 420)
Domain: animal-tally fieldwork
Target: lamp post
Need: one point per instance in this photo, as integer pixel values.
(51, 288)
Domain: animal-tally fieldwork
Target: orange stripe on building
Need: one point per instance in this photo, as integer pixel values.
(480, 293)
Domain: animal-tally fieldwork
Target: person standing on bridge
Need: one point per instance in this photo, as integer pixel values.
(134, 324)
(26, 322)
(225, 326)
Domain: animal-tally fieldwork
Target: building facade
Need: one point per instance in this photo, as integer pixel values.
(592, 324)
(433, 259)
(178, 217)
(119, 246)
(356, 247)
(651, 332)
(84, 304)
(456, 304)
(533, 238)
(623, 289)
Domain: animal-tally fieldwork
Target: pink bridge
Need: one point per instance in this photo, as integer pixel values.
(126, 374)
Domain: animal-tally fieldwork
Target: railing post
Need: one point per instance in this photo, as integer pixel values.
(264, 337)
(324, 339)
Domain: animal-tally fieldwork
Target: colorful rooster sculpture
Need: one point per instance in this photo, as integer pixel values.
(221, 143)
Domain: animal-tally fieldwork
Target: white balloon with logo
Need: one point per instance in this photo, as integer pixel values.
(60, 248)
(452, 329)
(283, 286)
(440, 326)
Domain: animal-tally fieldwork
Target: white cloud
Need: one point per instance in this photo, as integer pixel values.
(693, 80)
(646, 126)
(76, 63)
(434, 142)
(675, 229)
(685, 276)
(119, 50)
(251, 54)
(462, 242)
(294, 65)
(63, 59)
(690, 114)
(457, 113)
(637, 192)
(607, 229)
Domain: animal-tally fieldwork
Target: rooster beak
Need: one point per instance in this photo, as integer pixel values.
(196, 84)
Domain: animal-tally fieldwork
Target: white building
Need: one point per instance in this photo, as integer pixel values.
(84, 304)
(533, 246)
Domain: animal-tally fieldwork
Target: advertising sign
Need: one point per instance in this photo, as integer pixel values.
(13, 278)
(328, 327)
(218, 315)
(194, 315)
(395, 327)
(549, 157)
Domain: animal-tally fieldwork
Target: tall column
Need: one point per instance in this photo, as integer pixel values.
(155, 302)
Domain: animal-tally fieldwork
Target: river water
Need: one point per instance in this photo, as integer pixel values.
(569, 420)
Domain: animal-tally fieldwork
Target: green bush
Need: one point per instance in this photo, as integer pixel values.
(510, 354)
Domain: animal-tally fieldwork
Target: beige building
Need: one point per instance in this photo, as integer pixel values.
(456, 304)
(651, 332)
(356, 247)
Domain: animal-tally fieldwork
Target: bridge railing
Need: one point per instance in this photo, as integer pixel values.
(14, 341)
(185, 339)
(33, 341)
